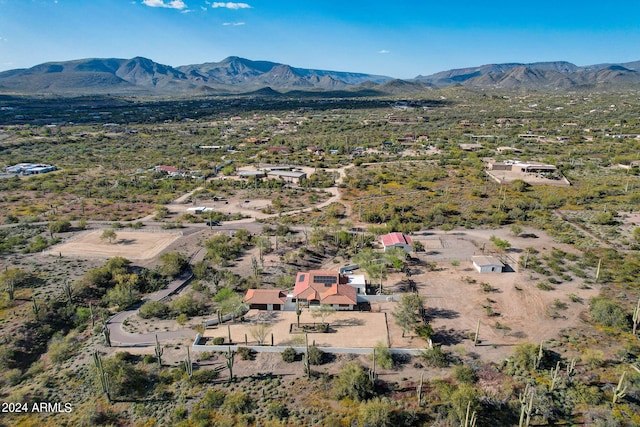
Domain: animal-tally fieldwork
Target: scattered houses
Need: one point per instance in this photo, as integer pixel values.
(29, 169)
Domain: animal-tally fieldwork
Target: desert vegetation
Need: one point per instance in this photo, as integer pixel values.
(376, 168)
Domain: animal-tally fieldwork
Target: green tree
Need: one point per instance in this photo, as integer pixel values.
(435, 357)
(323, 312)
(190, 304)
(407, 311)
(59, 226)
(153, 309)
(233, 305)
(11, 278)
(109, 234)
(173, 263)
(383, 356)
(607, 313)
(501, 244)
(375, 413)
(289, 355)
(352, 382)
(259, 332)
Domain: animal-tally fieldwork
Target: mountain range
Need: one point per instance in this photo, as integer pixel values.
(234, 75)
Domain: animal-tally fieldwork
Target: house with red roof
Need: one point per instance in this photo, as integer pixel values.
(265, 299)
(316, 287)
(397, 240)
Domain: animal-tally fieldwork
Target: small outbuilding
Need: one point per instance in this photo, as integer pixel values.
(397, 240)
(487, 264)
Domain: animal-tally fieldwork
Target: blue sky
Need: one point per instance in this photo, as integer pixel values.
(398, 38)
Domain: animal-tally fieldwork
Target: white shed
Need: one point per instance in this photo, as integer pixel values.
(487, 264)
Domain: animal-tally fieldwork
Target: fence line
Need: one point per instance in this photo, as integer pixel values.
(280, 348)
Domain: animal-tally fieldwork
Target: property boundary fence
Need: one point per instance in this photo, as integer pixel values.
(279, 349)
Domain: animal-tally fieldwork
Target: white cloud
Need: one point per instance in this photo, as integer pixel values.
(384, 51)
(171, 4)
(234, 24)
(230, 5)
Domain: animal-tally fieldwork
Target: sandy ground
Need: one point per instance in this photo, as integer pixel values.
(134, 245)
(348, 329)
(515, 311)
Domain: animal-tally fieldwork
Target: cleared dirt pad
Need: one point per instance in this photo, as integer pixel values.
(128, 244)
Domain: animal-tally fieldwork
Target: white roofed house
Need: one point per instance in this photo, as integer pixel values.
(287, 176)
(487, 264)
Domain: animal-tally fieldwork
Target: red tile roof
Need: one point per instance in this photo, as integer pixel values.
(396, 239)
(265, 296)
(326, 286)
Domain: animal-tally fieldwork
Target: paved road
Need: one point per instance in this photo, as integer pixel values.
(119, 337)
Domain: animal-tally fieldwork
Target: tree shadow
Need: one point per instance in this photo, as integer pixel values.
(348, 322)
(440, 313)
(449, 336)
(264, 317)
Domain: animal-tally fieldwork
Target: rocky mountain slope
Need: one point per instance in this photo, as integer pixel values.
(236, 75)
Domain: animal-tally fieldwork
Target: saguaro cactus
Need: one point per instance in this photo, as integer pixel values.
(419, 389)
(636, 317)
(104, 377)
(540, 355)
(36, 309)
(307, 362)
(159, 350)
(230, 356)
(188, 364)
(67, 291)
(555, 376)
(471, 418)
(619, 392)
(526, 407)
(107, 335)
(372, 371)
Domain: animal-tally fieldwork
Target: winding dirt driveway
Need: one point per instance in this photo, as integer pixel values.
(121, 338)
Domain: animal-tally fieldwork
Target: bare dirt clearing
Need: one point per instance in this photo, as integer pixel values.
(134, 245)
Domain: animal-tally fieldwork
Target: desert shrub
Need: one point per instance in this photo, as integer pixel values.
(153, 309)
(289, 355)
(218, 340)
(190, 304)
(376, 412)
(316, 356)
(526, 354)
(236, 403)
(245, 353)
(424, 331)
(352, 382)
(464, 374)
(383, 356)
(278, 410)
(213, 399)
(607, 313)
(435, 357)
(544, 286)
(203, 376)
